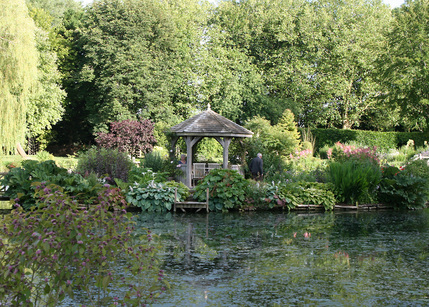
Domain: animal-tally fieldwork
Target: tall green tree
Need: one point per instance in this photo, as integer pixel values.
(18, 71)
(128, 59)
(249, 35)
(133, 61)
(224, 76)
(46, 102)
(74, 126)
(349, 42)
(407, 63)
(316, 57)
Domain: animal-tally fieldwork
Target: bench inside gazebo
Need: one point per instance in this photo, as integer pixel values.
(206, 124)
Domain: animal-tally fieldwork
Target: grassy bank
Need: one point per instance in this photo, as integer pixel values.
(16, 160)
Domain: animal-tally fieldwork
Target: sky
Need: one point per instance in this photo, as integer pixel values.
(392, 3)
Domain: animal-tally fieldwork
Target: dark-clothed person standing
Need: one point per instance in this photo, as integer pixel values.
(257, 167)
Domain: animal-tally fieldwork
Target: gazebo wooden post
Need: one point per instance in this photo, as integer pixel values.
(172, 153)
(225, 142)
(190, 143)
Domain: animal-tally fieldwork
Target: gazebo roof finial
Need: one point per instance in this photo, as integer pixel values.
(208, 106)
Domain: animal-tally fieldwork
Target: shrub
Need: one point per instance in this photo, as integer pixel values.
(154, 161)
(105, 162)
(281, 139)
(289, 195)
(156, 196)
(130, 136)
(418, 168)
(88, 256)
(227, 189)
(255, 196)
(303, 161)
(401, 189)
(355, 181)
(21, 182)
(44, 156)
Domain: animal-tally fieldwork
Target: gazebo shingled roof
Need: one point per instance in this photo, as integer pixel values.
(207, 124)
(210, 123)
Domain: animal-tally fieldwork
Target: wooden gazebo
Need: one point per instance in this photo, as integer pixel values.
(207, 124)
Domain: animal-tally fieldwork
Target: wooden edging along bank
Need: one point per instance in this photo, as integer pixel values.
(344, 207)
(300, 208)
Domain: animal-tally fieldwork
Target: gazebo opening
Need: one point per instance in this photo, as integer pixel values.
(205, 124)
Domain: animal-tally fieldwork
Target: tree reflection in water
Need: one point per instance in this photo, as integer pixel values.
(266, 259)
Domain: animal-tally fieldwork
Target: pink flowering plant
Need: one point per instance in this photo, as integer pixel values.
(303, 154)
(62, 253)
(341, 152)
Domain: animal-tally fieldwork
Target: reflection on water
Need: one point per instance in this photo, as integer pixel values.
(288, 259)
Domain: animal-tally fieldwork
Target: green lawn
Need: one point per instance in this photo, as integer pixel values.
(66, 162)
(5, 205)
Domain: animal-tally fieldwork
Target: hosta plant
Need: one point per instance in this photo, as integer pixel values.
(156, 196)
(290, 194)
(277, 195)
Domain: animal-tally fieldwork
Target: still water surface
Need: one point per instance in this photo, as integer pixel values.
(294, 259)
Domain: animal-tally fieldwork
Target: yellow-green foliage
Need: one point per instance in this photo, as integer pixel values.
(208, 149)
(18, 71)
(281, 139)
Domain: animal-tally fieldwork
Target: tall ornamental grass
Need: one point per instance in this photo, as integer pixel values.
(355, 181)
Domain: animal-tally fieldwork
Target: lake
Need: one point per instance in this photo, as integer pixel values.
(294, 259)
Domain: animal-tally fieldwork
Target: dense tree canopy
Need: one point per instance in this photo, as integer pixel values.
(349, 42)
(407, 62)
(46, 102)
(317, 57)
(336, 64)
(133, 62)
(55, 8)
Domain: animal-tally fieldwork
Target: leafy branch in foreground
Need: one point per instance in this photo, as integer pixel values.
(59, 252)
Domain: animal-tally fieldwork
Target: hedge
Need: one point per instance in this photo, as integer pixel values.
(383, 140)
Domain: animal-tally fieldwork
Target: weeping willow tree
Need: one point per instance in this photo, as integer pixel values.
(18, 71)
